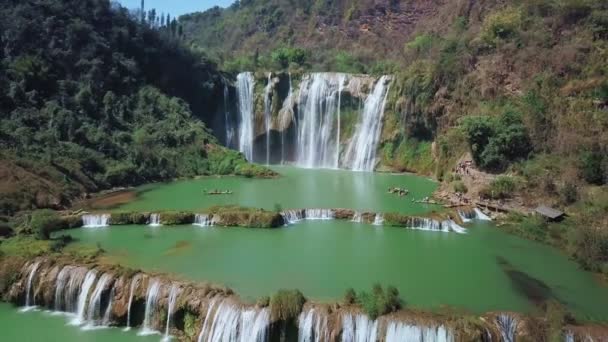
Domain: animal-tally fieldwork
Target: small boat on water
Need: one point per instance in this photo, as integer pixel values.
(218, 192)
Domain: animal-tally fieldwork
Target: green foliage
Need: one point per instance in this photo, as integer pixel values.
(190, 328)
(44, 222)
(350, 297)
(500, 188)
(569, 193)
(421, 44)
(459, 186)
(379, 302)
(286, 305)
(502, 25)
(25, 246)
(263, 302)
(348, 63)
(285, 56)
(497, 142)
(594, 166)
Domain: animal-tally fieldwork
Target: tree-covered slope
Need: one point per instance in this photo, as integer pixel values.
(92, 98)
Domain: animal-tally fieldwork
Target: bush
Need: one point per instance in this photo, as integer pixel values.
(176, 218)
(44, 222)
(593, 166)
(350, 297)
(286, 305)
(569, 193)
(502, 25)
(379, 302)
(500, 188)
(459, 186)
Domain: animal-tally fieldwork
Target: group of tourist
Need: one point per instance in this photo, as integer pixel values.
(464, 167)
(398, 191)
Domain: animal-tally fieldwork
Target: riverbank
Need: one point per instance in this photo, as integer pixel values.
(100, 295)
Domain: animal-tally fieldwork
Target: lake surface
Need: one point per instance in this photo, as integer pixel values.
(324, 258)
(295, 189)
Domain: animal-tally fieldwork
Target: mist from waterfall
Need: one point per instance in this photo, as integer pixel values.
(268, 114)
(228, 125)
(361, 152)
(318, 134)
(245, 84)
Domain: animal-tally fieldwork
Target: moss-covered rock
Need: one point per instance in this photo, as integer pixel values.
(174, 218)
(126, 218)
(246, 217)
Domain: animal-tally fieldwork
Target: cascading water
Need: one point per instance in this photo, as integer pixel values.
(227, 123)
(287, 106)
(203, 220)
(94, 314)
(134, 283)
(312, 327)
(379, 220)
(85, 288)
(95, 221)
(318, 113)
(397, 332)
(172, 299)
(357, 217)
(60, 285)
(292, 216)
(107, 315)
(30, 298)
(319, 214)
(268, 114)
(230, 324)
(72, 290)
(507, 325)
(245, 83)
(361, 152)
(358, 329)
(154, 220)
(151, 303)
(466, 215)
(480, 215)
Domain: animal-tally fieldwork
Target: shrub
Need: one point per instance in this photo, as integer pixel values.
(350, 297)
(502, 25)
(176, 218)
(286, 305)
(379, 302)
(593, 166)
(500, 188)
(263, 302)
(44, 222)
(569, 193)
(459, 186)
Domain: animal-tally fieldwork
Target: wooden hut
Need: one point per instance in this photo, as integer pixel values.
(550, 214)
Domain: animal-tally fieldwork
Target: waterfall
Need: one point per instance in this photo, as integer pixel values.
(94, 312)
(357, 218)
(203, 220)
(107, 315)
(318, 110)
(507, 325)
(378, 220)
(569, 336)
(466, 215)
(481, 216)
(60, 285)
(319, 214)
(268, 114)
(245, 84)
(151, 302)
(134, 282)
(292, 216)
(71, 294)
(359, 329)
(397, 332)
(85, 288)
(423, 223)
(172, 299)
(95, 221)
(338, 119)
(312, 327)
(30, 297)
(287, 105)
(230, 324)
(154, 220)
(452, 226)
(361, 152)
(228, 125)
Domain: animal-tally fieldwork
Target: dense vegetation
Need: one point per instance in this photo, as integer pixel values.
(94, 97)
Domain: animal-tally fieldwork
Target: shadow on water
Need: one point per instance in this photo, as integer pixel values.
(535, 290)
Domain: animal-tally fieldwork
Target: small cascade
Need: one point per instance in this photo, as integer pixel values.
(466, 215)
(83, 296)
(423, 223)
(338, 119)
(357, 217)
(30, 298)
(203, 220)
(312, 327)
(319, 214)
(359, 329)
(292, 216)
(60, 285)
(288, 107)
(317, 139)
(227, 123)
(268, 114)
(134, 283)
(172, 299)
(151, 303)
(361, 152)
(507, 325)
(72, 290)
(245, 83)
(95, 221)
(94, 314)
(481, 215)
(107, 315)
(154, 220)
(569, 336)
(397, 332)
(231, 324)
(453, 226)
(379, 220)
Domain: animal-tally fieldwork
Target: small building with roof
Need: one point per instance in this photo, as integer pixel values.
(550, 214)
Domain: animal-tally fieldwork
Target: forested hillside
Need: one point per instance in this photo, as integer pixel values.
(93, 98)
